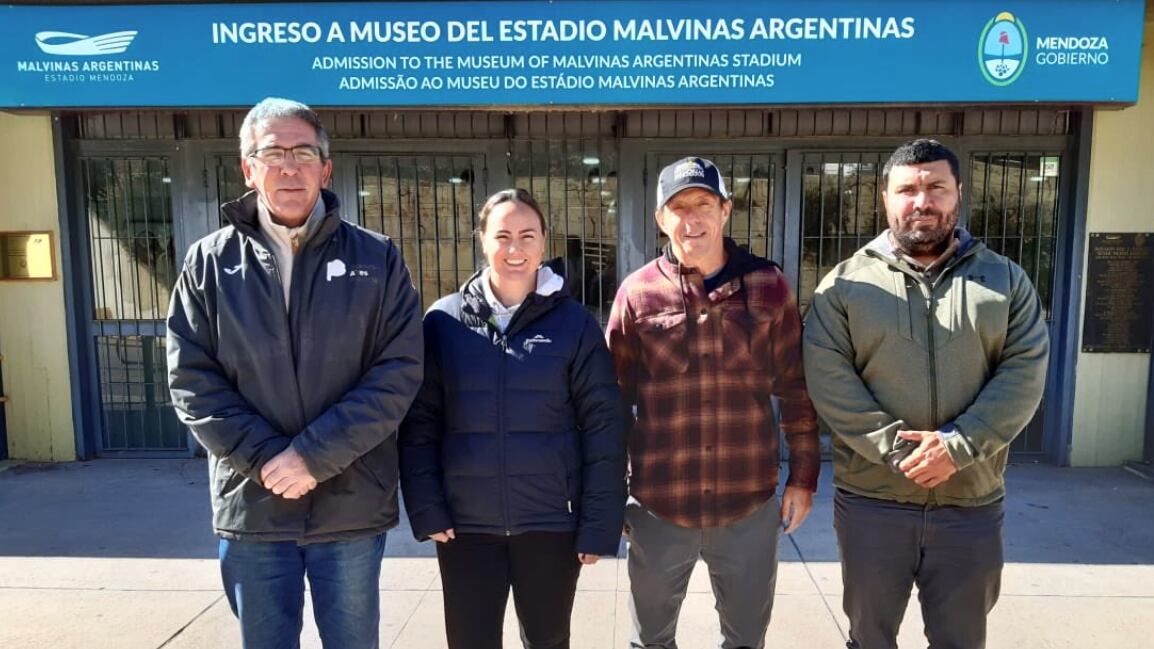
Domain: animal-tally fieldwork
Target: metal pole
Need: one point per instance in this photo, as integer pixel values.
(1147, 454)
(3, 415)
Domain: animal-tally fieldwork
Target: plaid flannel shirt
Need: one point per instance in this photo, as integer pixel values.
(700, 369)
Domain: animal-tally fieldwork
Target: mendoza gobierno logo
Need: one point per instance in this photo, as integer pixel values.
(1002, 49)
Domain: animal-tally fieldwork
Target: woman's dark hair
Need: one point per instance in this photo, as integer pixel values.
(515, 195)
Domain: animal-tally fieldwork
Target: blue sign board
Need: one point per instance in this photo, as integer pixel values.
(568, 53)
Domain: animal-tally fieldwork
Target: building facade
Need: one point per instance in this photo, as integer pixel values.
(123, 176)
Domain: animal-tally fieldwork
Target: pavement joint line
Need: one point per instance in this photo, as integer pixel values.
(405, 624)
(820, 593)
(190, 622)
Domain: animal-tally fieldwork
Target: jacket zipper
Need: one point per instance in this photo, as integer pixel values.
(568, 500)
(928, 293)
(287, 311)
(504, 345)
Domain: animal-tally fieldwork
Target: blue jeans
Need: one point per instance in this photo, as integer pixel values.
(266, 589)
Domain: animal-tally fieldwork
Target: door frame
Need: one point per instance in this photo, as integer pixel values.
(88, 414)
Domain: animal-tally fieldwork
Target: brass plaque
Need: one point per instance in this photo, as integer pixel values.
(27, 255)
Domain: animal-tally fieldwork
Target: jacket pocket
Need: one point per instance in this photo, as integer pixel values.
(664, 344)
(225, 479)
(380, 465)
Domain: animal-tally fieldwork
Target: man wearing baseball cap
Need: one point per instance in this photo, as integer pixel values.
(702, 337)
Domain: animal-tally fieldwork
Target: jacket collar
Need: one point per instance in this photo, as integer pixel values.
(738, 262)
(243, 214)
(882, 247)
(476, 312)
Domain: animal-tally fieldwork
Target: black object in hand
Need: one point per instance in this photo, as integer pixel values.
(901, 450)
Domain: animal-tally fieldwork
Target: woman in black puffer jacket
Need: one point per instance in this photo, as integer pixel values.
(513, 454)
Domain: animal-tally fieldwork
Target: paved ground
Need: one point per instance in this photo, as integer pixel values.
(119, 554)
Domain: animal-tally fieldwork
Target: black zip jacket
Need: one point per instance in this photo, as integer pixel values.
(516, 432)
(332, 375)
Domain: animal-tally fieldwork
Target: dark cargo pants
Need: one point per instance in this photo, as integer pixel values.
(952, 554)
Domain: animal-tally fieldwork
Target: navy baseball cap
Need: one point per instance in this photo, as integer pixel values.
(687, 173)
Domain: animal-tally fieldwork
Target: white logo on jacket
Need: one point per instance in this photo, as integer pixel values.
(336, 268)
(534, 341)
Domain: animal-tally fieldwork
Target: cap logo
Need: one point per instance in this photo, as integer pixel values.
(687, 169)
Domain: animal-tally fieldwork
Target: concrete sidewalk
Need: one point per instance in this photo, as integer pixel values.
(119, 554)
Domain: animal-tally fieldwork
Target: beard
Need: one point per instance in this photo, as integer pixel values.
(931, 238)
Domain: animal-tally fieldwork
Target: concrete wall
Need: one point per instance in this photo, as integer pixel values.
(33, 338)
(1110, 395)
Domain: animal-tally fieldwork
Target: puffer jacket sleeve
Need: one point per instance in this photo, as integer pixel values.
(600, 415)
(1008, 400)
(204, 397)
(372, 410)
(837, 390)
(422, 477)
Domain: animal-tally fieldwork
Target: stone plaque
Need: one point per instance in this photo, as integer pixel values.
(1119, 293)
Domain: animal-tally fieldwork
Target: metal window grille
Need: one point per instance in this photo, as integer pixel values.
(575, 182)
(427, 205)
(229, 182)
(841, 211)
(137, 413)
(128, 210)
(1014, 209)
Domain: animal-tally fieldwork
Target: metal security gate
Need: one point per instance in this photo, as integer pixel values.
(575, 180)
(1015, 209)
(841, 211)
(805, 183)
(427, 204)
(132, 262)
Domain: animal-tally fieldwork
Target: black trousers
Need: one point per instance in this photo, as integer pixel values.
(477, 571)
(952, 554)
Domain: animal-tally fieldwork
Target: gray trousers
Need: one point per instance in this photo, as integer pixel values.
(742, 562)
(953, 554)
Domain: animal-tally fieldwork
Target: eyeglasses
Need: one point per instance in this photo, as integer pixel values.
(274, 156)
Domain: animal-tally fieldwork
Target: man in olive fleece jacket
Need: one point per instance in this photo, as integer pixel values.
(926, 354)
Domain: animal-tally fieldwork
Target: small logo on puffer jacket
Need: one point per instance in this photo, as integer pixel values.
(534, 341)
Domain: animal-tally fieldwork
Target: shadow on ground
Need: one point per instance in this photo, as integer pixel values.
(160, 509)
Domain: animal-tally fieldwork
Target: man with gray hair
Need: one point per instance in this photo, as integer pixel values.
(294, 351)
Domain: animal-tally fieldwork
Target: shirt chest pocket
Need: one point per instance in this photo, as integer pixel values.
(745, 339)
(664, 344)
